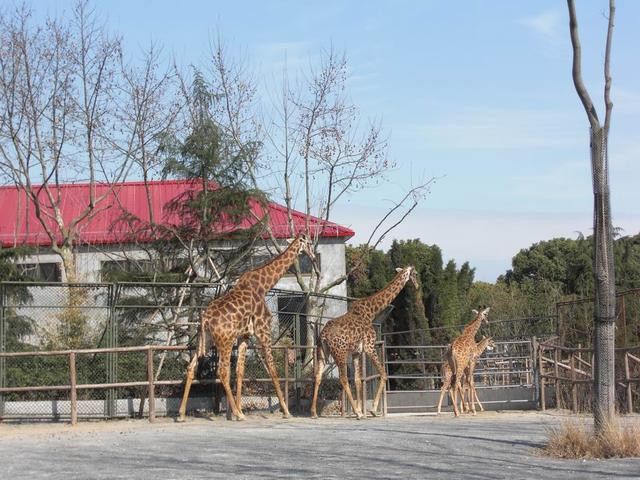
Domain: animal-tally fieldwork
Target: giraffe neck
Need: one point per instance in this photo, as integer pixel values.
(369, 307)
(482, 346)
(263, 278)
(472, 328)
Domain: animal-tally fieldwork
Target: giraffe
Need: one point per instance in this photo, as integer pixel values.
(459, 355)
(353, 333)
(237, 315)
(486, 343)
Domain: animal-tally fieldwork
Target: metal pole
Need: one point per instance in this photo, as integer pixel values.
(3, 347)
(73, 392)
(297, 367)
(363, 369)
(112, 357)
(151, 389)
(535, 377)
(384, 391)
(286, 376)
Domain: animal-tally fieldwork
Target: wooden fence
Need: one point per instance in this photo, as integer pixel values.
(291, 376)
(566, 370)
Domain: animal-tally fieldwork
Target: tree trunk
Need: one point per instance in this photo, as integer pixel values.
(68, 264)
(605, 303)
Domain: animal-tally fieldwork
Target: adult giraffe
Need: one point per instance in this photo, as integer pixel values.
(353, 333)
(238, 314)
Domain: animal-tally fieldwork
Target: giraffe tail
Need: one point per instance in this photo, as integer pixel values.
(323, 351)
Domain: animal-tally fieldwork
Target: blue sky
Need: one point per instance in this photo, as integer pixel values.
(477, 93)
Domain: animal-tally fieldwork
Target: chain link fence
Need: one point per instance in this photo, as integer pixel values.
(109, 327)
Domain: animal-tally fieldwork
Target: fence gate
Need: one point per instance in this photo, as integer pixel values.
(504, 377)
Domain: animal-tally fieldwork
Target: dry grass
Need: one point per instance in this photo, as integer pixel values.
(576, 440)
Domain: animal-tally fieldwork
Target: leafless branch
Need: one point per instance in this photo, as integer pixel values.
(577, 68)
(607, 62)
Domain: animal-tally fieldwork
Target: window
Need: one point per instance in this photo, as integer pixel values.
(290, 307)
(114, 270)
(41, 272)
(306, 265)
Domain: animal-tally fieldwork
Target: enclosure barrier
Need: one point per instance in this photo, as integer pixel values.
(504, 377)
(150, 383)
(567, 373)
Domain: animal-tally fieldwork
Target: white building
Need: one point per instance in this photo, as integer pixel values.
(104, 240)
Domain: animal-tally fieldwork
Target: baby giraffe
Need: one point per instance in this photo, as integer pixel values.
(458, 356)
(468, 385)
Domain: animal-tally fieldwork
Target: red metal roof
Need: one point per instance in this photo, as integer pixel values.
(19, 225)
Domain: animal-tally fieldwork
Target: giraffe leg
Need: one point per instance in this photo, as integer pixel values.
(344, 381)
(464, 402)
(357, 378)
(320, 363)
(475, 398)
(447, 375)
(475, 394)
(457, 389)
(224, 373)
(373, 355)
(242, 354)
(191, 369)
(472, 390)
(267, 355)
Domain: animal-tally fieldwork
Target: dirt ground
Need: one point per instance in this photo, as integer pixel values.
(489, 446)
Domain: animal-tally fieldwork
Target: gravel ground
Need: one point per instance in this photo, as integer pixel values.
(491, 445)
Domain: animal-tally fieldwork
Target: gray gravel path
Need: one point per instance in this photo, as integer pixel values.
(489, 446)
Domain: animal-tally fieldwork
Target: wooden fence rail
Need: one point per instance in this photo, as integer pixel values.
(151, 383)
(558, 365)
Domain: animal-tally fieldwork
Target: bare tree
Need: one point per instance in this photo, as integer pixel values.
(72, 110)
(605, 299)
(323, 152)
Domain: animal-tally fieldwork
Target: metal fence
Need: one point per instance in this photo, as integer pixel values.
(96, 321)
(504, 377)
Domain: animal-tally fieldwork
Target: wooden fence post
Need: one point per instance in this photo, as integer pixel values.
(574, 385)
(627, 377)
(543, 402)
(557, 375)
(73, 391)
(151, 395)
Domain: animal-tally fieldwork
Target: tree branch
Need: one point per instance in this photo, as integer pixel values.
(607, 74)
(577, 68)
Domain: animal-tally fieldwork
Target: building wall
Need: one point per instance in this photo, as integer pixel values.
(89, 264)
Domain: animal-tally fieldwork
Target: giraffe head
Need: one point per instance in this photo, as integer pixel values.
(305, 244)
(490, 345)
(409, 273)
(482, 314)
